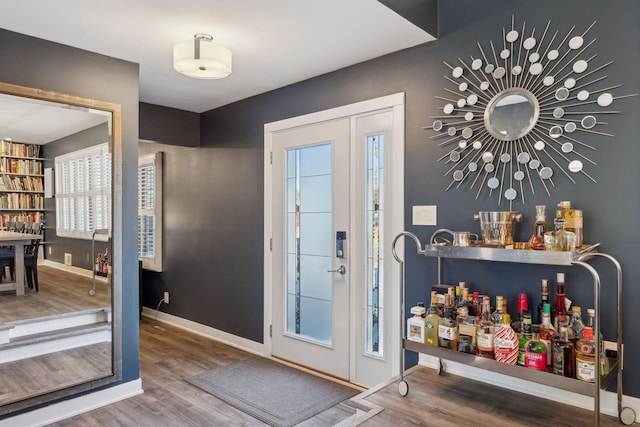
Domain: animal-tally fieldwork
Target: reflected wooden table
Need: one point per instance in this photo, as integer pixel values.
(17, 240)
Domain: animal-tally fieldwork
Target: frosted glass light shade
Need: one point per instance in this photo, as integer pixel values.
(214, 61)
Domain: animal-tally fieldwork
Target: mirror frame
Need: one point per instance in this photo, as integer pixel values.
(491, 106)
(116, 239)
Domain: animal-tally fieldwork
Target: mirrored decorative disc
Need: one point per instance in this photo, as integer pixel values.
(555, 131)
(504, 54)
(476, 64)
(493, 183)
(580, 66)
(487, 157)
(575, 166)
(437, 125)
(539, 145)
(518, 175)
(484, 85)
(489, 167)
(588, 122)
(477, 145)
(570, 127)
(489, 68)
(462, 102)
(516, 70)
(576, 42)
(570, 83)
(457, 72)
(535, 69)
(452, 131)
(454, 156)
(546, 172)
(472, 99)
(467, 133)
(534, 164)
(548, 81)
(605, 100)
(458, 175)
(463, 86)
(567, 147)
(499, 73)
(462, 144)
(468, 116)
(448, 109)
(512, 36)
(583, 95)
(529, 43)
(553, 55)
(510, 194)
(473, 166)
(523, 157)
(558, 112)
(505, 158)
(562, 94)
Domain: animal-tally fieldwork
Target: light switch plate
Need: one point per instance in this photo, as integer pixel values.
(425, 215)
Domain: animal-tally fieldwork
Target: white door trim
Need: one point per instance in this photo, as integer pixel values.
(394, 102)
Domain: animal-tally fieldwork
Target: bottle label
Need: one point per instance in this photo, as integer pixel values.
(558, 361)
(535, 360)
(585, 370)
(485, 341)
(447, 332)
(467, 329)
(415, 333)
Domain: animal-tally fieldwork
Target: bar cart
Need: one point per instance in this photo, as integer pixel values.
(580, 258)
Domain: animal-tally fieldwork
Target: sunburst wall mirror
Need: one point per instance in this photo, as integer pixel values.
(519, 114)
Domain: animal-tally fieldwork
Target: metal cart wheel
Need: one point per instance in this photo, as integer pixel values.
(92, 292)
(403, 389)
(627, 416)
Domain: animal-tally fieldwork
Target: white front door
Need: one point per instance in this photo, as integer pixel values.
(333, 203)
(311, 280)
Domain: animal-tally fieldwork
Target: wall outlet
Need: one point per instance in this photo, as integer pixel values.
(165, 298)
(611, 349)
(68, 259)
(49, 250)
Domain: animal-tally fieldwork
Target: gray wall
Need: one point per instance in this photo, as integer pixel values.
(214, 203)
(50, 66)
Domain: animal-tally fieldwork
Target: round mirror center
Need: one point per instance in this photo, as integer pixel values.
(511, 114)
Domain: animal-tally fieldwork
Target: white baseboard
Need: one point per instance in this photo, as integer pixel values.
(75, 406)
(72, 269)
(608, 400)
(207, 331)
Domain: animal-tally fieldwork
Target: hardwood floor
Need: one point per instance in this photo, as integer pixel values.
(60, 292)
(168, 355)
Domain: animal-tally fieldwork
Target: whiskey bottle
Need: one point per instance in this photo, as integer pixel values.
(447, 328)
(505, 342)
(466, 331)
(564, 356)
(524, 338)
(415, 324)
(539, 228)
(586, 356)
(431, 323)
(575, 324)
(547, 333)
(562, 316)
(496, 316)
(535, 352)
(486, 331)
(544, 299)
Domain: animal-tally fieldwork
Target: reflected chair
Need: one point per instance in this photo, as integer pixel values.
(7, 255)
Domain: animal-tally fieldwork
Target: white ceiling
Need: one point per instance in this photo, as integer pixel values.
(274, 42)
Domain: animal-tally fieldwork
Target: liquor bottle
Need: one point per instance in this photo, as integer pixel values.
(539, 228)
(466, 331)
(415, 324)
(572, 220)
(496, 316)
(424, 311)
(524, 338)
(447, 328)
(586, 356)
(486, 331)
(604, 361)
(564, 357)
(535, 352)
(505, 342)
(463, 305)
(544, 299)
(431, 323)
(523, 306)
(476, 306)
(547, 332)
(575, 324)
(562, 316)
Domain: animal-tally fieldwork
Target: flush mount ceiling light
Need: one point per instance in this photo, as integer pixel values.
(201, 58)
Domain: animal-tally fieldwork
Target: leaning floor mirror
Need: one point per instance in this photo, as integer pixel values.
(60, 293)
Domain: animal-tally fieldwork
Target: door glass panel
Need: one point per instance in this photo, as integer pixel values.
(373, 240)
(309, 242)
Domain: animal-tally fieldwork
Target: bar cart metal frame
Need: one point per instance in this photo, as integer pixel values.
(626, 415)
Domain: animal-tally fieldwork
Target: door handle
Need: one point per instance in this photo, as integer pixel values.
(342, 270)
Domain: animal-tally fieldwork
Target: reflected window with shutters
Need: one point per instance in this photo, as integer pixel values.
(83, 192)
(150, 211)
